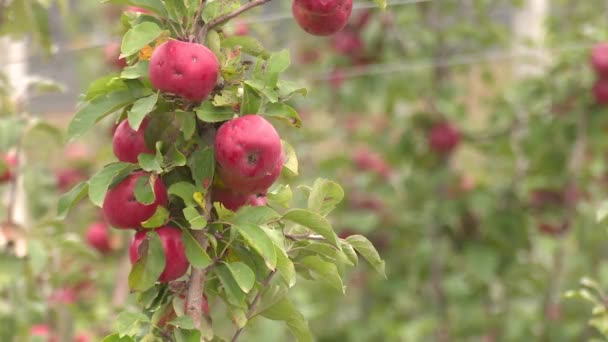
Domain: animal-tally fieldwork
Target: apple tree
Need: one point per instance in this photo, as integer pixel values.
(217, 238)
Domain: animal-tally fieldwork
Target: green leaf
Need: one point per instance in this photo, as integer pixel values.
(381, 3)
(160, 217)
(70, 198)
(254, 215)
(207, 112)
(100, 182)
(182, 335)
(362, 245)
(151, 263)
(139, 70)
(284, 310)
(177, 11)
(262, 89)
(194, 251)
(187, 123)
(138, 37)
(144, 192)
(140, 108)
(329, 252)
(234, 294)
(243, 275)
(283, 112)
(185, 191)
(37, 255)
(149, 162)
(286, 89)
(290, 164)
(281, 196)
(251, 100)
(248, 45)
(91, 112)
(195, 219)
(350, 253)
(324, 197)
(256, 238)
(277, 63)
(314, 222)
(202, 165)
(326, 271)
(218, 8)
(286, 268)
(127, 323)
(117, 338)
(155, 6)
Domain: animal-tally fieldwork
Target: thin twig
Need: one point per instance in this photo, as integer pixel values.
(254, 304)
(197, 18)
(224, 18)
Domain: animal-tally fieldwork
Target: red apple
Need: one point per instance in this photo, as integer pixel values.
(309, 56)
(64, 295)
(43, 331)
(98, 237)
(176, 262)
(322, 17)
(234, 200)
(122, 210)
(348, 43)
(189, 70)
(600, 91)
(82, 337)
(367, 160)
(112, 54)
(336, 78)
(11, 161)
(249, 154)
(76, 152)
(599, 59)
(67, 178)
(553, 229)
(443, 138)
(258, 200)
(128, 143)
(241, 29)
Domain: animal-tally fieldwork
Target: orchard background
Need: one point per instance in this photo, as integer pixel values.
(464, 139)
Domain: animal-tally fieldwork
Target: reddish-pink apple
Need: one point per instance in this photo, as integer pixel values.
(348, 43)
(128, 143)
(189, 70)
(443, 138)
(600, 91)
(599, 59)
(112, 54)
(176, 262)
(322, 17)
(98, 237)
(249, 154)
(122, 210)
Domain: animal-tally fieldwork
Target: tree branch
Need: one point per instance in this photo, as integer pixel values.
(197, 19)
(197, 277)
(226, 17)
(254, 304)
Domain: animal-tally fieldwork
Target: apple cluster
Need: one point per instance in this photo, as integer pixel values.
(599, 62)
(248, 152)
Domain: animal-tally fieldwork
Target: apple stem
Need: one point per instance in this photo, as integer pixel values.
(254, 304)
(226, 17)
